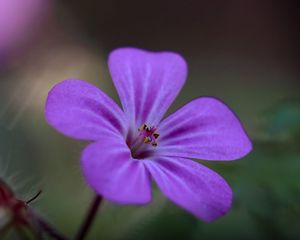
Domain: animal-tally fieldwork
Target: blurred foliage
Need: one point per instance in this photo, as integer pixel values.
(283, 120)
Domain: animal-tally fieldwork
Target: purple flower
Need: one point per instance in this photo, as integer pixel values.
(134, 146)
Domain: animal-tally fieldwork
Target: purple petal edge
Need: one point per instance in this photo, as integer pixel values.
(205, 129)
(111, 171)
(192, 186)
(82, 111)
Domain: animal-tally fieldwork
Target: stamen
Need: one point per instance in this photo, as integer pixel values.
(147, 139)
(156, 135)
(141, 128)
(148, 134)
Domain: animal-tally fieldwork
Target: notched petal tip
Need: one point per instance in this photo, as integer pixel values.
(132, 51)
(147, 82)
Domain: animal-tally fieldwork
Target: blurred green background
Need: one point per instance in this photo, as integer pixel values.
(244, 52)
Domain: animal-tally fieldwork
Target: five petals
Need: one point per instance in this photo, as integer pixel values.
(147, 84)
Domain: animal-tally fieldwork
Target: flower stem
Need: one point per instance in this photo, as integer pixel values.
(50, 230)
(47, 227)
(89, 218)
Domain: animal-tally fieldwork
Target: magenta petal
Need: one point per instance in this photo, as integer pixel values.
(192, 186)
(82, 111)
(147, 82)
(205, 129)
(110, 170)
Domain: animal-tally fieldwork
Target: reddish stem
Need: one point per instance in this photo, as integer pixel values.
(89, 218)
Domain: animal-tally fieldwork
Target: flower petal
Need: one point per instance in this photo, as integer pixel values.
(82, 111)
(147, 82)
(205, 129)
(111, 171)
(192, 186)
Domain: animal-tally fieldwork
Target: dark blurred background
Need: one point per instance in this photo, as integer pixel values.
(244, 52)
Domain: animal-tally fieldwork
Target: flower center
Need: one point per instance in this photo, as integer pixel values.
(147, 136)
